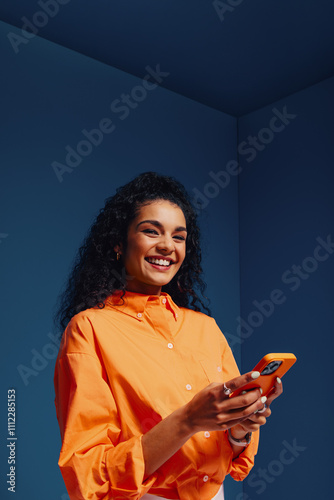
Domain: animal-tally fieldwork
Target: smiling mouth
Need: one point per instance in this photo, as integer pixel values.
(159, 262)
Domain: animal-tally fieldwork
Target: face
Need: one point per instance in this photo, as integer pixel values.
(156, 247)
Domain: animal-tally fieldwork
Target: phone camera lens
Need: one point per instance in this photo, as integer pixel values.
(271, 367)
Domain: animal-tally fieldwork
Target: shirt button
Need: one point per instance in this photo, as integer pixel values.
(219, 369)
(205, 478)
(207, 434)
(139, 315)
(188, 387)
(164, 300)
(170, 345)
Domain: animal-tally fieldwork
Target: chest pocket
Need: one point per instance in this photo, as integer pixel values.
(212, 370)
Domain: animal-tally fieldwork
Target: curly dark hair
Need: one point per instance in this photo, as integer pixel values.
(97, 273)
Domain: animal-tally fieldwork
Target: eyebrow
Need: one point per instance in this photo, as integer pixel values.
(158, 224)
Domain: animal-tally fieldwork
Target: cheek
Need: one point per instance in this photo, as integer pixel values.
(136, 251)
(133, 246)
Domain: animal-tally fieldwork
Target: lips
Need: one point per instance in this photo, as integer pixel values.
(159, 261)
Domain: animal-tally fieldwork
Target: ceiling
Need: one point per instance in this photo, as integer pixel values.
(233, 55)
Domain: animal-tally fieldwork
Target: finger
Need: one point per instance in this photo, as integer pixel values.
(262, 410)
(243, 412)
(251, 425)
(238, 382)
(276, 391)
(244, 400)
(258, 415)
(234, 417)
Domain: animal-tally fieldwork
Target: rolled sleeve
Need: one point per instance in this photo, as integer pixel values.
(97, 459)
(242, 465)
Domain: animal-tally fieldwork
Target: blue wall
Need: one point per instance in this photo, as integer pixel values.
(49, 95)
(286, 215)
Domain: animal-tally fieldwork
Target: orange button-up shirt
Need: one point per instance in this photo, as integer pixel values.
(119, 372)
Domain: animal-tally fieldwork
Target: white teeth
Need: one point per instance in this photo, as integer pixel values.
(159, 262)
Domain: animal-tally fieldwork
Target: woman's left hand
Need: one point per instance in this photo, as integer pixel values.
(253, 422)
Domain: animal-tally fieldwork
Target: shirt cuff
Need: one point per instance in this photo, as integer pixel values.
(243, 463)
(126, 468)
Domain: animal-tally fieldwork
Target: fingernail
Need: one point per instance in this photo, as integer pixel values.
(255, 374)
(263, 399)
(279, 380)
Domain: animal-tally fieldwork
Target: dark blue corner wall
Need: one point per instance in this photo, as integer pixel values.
(280, 206)
(287, 286)
(49, 96)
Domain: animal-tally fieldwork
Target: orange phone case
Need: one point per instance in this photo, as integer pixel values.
(266, 382)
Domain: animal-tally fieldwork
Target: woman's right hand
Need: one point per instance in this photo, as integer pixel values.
(213, 410)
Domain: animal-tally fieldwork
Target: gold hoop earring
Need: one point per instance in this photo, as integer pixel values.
(118, 256)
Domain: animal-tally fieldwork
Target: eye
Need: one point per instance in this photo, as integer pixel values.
(182, 238)
(150, 231)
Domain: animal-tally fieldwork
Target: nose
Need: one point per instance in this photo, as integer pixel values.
(166, 243)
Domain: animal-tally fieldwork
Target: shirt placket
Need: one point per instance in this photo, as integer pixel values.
(160, 318)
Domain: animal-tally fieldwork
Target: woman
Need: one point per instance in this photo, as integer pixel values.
(143, 378)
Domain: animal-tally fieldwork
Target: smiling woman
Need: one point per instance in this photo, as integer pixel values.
(99, 269)
(143, 378)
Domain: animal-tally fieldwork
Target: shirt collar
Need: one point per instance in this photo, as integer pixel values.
(134, 304)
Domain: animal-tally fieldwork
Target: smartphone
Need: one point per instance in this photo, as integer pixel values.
(270, 367)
